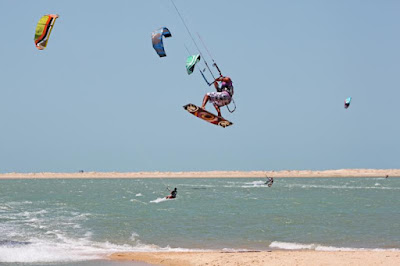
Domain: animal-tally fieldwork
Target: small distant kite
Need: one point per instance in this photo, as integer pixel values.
(156, 39)
(191, 63)
(347, 102)
(43, 30)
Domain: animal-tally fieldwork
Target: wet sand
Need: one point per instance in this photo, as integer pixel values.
(263, 258)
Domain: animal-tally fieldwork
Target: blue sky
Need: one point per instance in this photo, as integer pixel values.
(100, 99)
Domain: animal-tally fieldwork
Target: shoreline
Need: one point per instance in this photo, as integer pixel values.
(212, 174)
(276, 257)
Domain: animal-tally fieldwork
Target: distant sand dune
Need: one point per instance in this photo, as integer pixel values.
(213, 174)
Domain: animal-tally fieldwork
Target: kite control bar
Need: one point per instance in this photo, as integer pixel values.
(205, 79)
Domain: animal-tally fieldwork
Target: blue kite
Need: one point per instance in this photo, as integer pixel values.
(156, 38)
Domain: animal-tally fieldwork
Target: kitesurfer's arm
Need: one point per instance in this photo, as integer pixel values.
(216, 85)
(222, 78)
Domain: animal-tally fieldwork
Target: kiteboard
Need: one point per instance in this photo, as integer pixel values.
(207, 116)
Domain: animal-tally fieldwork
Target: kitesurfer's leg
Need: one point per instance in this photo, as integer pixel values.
(218, 110)
(205, 100)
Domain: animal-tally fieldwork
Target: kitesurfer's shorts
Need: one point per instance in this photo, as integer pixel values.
(220, 98)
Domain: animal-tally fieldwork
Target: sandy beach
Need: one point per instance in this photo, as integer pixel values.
(213, 174)
(264, 258)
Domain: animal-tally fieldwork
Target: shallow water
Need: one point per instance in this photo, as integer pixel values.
(63, 220)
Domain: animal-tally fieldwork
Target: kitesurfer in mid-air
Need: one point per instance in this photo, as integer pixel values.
(223, 95)
(173, 194)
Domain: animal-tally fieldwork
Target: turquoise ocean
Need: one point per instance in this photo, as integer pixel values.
(62, 221)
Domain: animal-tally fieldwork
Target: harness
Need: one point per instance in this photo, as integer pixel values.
(229, 89)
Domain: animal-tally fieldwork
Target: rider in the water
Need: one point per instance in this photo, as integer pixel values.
(222, 96)
(270, 181)
(173, 194)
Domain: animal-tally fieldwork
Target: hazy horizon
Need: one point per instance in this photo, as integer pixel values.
(98, 98)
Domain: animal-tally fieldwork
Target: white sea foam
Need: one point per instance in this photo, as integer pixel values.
(45, 252)
(237, 250)
(18, 203)
(195, 185)
(66, 249)
(340, 187)
(254, 184)
(139, 195)
(159, 200)
(134, 236)
(5, 208)
(259, 186)
(318, 247)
